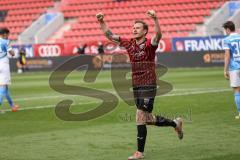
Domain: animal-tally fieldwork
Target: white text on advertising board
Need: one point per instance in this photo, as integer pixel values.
(49, 51)
(203, 45)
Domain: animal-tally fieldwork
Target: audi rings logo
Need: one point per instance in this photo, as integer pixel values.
(49, 51)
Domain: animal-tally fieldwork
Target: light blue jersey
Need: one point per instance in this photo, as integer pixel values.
(232, 42)
(5, 78)
(4, 48)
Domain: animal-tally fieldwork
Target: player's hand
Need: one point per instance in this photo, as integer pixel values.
(152, 14)
(100, 16)
(12, 53)
(226, 75)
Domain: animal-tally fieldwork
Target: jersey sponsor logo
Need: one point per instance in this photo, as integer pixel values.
(139, 54)
(142, 46)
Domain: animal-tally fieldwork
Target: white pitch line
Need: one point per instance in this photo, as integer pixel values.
(167, 95)
(195, 92)
(41, 107)
(186, 91)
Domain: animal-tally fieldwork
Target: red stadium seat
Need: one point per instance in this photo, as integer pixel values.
(177, 17)
(22, 13)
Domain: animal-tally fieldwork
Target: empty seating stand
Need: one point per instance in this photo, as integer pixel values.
(177, 17)
(21, 14)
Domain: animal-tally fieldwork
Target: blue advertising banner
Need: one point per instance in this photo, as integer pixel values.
(192, 44)
(28, 48)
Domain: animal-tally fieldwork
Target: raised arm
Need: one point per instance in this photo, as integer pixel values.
(158, 34)
(108, 33)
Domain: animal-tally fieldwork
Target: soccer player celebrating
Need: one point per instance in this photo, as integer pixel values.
(232, 60)
(5, 79)
(142, 56)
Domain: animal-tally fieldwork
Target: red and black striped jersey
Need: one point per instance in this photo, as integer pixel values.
(142, 57)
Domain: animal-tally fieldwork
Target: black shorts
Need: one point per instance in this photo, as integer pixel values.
(144, 97)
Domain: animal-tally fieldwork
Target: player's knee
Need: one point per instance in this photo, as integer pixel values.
(151, 119)
(237, 89)
(145, 105)
(141, 118)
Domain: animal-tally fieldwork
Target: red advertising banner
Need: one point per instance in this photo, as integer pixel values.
(165, 45)
(49, 50)
(110, 47)
(71, 49)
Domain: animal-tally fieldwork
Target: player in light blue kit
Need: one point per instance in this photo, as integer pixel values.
(232, 60)
(5, 78)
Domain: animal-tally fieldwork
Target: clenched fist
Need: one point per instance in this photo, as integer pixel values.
(152, 14)
(99, 16)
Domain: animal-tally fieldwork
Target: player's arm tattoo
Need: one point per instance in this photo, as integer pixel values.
(158, 34)
(108, 33)
(111, 36)
(156, 39)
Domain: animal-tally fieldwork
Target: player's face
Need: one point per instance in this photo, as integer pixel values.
(227, 31)
(138, 31)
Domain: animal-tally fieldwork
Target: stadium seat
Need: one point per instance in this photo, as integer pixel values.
(20, 14)
(177, 17)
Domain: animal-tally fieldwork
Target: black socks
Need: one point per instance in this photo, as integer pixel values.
(161, 121)
(141, 137)
(142, 131)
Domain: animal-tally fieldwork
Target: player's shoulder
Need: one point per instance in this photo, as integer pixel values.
(131, 39)
(148, 40)
(237, 35)
(4, 41)
(124, 39)
(150, 43)
(227, 39)
(125, 42)
(232, 36)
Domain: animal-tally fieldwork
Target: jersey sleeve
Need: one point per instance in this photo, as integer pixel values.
(226, 44)
(153, 48)
(153, 42)
(124, 42)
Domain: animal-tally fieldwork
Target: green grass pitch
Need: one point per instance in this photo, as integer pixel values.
(201, 96)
